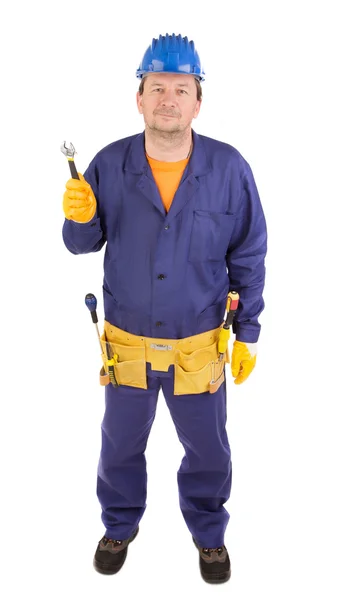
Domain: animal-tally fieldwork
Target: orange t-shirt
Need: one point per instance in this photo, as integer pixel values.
(167, 176)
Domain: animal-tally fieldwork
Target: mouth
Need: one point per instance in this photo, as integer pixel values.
(166, 116)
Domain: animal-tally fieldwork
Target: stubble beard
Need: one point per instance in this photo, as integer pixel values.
(175, 134)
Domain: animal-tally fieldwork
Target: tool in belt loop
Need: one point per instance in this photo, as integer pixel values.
(231, 307)
(91, 304)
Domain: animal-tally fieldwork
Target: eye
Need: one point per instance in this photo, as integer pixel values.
(183, 91)
(157, 89)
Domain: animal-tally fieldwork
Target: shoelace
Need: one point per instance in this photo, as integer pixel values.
(107, 540)
(219, 549)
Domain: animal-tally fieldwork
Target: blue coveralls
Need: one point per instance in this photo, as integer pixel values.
(167, 275)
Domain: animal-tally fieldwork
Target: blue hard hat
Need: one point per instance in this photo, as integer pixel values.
(171, 54)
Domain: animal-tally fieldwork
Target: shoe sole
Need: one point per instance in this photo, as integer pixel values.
(213, 577)
(112, 569)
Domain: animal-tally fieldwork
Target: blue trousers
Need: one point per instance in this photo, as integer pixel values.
(204, 476)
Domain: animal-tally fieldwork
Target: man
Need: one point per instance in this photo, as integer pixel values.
(183, 224)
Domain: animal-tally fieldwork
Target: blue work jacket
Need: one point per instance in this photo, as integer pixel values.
(167, 275)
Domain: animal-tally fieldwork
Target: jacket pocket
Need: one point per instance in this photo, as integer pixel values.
(130, 368)
(210, 236)
(109, 294)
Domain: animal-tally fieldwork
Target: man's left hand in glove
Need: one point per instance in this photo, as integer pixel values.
(243, 360)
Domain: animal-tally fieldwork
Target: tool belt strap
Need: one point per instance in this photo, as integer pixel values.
(161, 352)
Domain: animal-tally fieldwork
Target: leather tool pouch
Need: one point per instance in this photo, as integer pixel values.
(130, 368)
(197, 367)
(199, 371)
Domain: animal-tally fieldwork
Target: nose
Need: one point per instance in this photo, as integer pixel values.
(168, 98)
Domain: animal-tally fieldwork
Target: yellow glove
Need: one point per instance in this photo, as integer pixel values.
(243, 360)
(79, 202)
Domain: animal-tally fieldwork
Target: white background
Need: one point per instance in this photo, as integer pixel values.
(68, 73)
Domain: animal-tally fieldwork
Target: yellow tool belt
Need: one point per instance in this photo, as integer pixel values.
(197, 367)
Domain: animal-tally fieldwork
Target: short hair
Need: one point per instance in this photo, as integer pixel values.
(197, 81)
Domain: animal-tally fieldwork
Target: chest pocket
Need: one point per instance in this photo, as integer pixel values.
(210, 236)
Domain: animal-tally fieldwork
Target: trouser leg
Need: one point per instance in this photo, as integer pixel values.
(205, 475)
(122, 475)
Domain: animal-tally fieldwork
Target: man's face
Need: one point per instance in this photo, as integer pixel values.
(169, 102)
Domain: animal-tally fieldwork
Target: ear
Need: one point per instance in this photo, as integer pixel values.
(139, 103)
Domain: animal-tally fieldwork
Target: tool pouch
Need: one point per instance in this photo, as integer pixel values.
(130, 368)
(200, 370)
(197, 367)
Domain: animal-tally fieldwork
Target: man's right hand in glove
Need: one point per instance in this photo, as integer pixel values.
(79, 202)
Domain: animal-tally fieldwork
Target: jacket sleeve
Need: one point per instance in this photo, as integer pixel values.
(82, 238)
(245, 259)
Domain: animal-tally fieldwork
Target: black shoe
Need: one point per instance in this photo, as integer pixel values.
(214, 564)
(111, 554)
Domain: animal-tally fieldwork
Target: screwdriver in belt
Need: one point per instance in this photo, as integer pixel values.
(91, 304)
(112, 360)
(231, 307)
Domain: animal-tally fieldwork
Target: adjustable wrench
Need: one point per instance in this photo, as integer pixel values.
(69, 152)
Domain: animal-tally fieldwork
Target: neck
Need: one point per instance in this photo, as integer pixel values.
(166, 146)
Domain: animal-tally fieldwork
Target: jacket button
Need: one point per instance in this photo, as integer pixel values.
(159, 323)
(167, 227)
(161, 276)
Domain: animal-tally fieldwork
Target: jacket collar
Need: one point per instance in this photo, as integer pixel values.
(136, 161)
